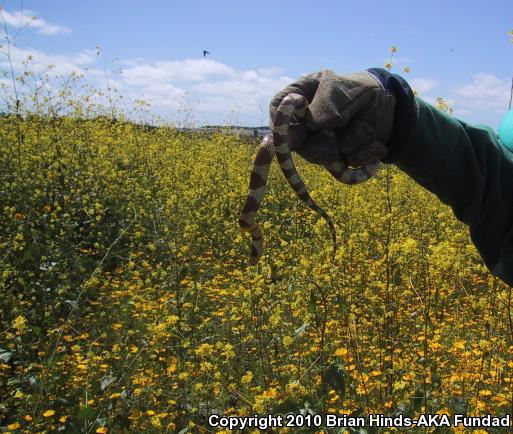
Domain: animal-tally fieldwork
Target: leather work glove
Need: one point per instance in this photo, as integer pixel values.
(355, 107)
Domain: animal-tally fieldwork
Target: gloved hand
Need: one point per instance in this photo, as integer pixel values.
(349, 118)
(349, 121)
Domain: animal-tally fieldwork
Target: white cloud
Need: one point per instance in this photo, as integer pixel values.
(486, 93)
(27, 18)
(215, 90)
(423, 85)
(159, 94)
(61, 64)
(142, 73)
(247, 83)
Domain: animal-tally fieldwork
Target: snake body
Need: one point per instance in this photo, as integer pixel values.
(292, 106)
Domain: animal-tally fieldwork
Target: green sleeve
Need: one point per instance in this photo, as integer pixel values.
(467, 168)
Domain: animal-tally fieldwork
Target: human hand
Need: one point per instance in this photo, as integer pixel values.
(349, 118)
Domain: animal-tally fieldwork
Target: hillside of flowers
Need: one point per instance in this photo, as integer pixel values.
(127, 303)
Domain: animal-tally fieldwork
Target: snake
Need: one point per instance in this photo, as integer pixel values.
(292, 108)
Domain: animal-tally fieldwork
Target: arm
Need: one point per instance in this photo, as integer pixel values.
(463, 165)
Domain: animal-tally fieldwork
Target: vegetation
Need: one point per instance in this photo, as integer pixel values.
(127, 304)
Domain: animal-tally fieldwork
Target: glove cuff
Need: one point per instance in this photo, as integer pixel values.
(404, 114)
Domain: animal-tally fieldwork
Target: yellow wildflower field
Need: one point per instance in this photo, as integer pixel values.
(128, 304)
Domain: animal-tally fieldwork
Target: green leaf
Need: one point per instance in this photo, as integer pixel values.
(417, 399)
(287, 406)
(301, 329)
(404, 409)
(13, 381)
(335, 378)
(396, 275)
(435, 379)
(106, 382)
(458, 405)
(86, 413)
(5, 356)
(341, 304)
(312, 306)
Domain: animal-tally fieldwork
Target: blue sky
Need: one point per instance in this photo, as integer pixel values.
(458, 50)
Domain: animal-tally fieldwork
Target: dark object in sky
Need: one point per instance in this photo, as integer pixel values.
(205, 53)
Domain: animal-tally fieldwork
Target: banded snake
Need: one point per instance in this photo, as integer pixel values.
(293, 106)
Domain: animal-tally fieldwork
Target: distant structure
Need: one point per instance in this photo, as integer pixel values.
(237, 130)
(205, 52)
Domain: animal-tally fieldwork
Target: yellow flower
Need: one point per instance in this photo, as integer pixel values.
(19, 324)
(341, 352)
(156, 422)
(14, 425)
(102, 430)
(204, 350)
(172, 366)
(247, 377)
(459, 344)
(287, 340)
(228, 352)
(172, 319)
(270, 393)
(48, 413)
(392, 49)
(406, 69)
